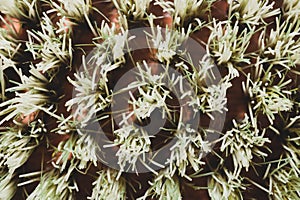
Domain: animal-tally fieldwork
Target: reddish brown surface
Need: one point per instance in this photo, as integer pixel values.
(237, 107)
